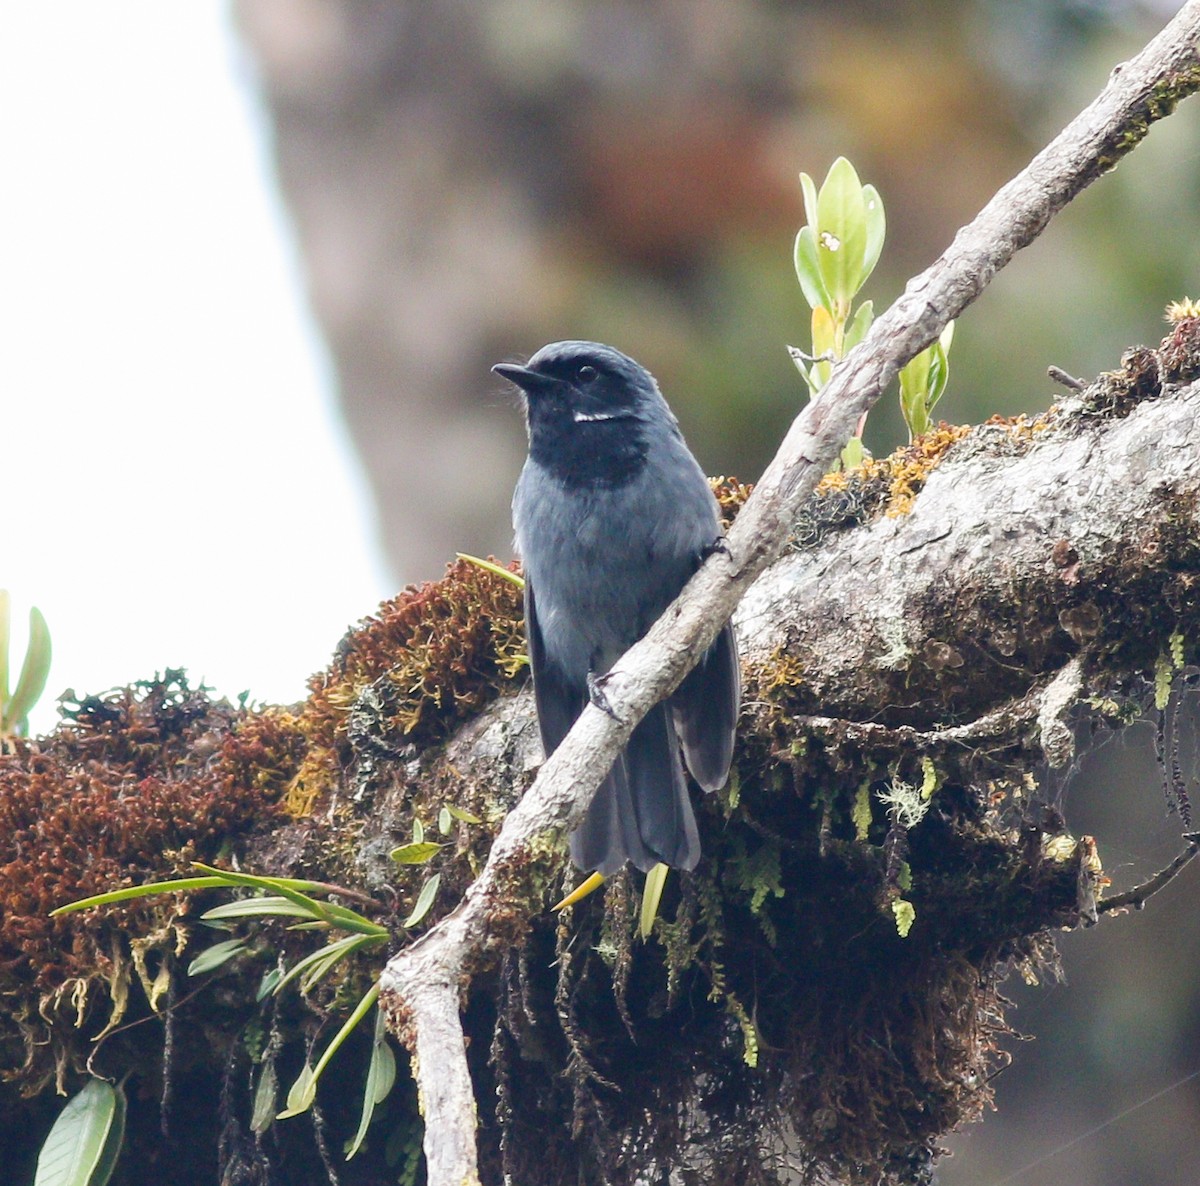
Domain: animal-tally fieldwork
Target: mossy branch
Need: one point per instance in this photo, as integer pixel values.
(424, 982)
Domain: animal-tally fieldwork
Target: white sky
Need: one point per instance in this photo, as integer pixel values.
(177, 488)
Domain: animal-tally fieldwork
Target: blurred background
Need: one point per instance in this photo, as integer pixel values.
(258, 258)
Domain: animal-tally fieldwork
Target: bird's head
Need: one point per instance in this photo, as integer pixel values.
(590, 409)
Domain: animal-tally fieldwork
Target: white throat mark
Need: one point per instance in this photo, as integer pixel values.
(592, 417)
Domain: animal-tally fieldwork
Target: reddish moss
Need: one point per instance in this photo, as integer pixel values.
(435, 655)
(132, 787)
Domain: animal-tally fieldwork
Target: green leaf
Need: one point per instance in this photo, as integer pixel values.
(496, 570)
(841, 234)
(301, 1094)
(381, 1075)
(914, 393)
(83, 1146)
(417, 853)
(330, 912)
(853, 453)
(460, 814)
(809, 188)
(445, 821)
(213, 957)
(304, 1090)
(177, 885)
(876, 230)
(265, 1096)
(318, 963)
(34, 672)
(905, 915)
(424, 901)
(808, 270)
(254, 907)
(418, 831)
(863, 318)
(268, 984)
(651, 896)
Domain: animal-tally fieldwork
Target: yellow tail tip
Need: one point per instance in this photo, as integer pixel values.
(593, 883)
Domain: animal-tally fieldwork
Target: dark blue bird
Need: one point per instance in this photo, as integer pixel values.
(613, 515)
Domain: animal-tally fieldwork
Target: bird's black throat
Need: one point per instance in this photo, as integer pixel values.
(601, 454)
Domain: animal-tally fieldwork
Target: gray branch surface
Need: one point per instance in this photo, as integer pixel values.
(423, 983)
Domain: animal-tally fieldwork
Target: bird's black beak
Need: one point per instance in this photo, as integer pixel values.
(528, 381)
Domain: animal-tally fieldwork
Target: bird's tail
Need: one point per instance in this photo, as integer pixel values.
(642, 812)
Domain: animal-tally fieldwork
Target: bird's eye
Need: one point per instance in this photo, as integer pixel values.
(586, 373)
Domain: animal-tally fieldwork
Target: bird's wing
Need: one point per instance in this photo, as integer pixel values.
(705, 708)
(559, 701)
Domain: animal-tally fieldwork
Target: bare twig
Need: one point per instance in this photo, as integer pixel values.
(1063, 379)
(424, 981)
(1137, 897)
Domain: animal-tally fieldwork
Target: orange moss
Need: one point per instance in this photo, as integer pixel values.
(133, 786)
(432, 656)
(903, 472)
(731, 496)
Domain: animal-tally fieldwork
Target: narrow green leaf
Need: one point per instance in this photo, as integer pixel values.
(339, 916)
(268, 984)
(333, 955)
(465, 816)
(418, 831)
(939, 372)
(445, 821)
(496, 569)
(304, 1090)
(651, 896)
(216, 955)
(252, 907)
(914, 392)
(266, 1094)
(808, 270)
(809, 188)
(415, 854)
(177, 885)
(35, 670)
(83, 1145)
(381, 1075)
(863, 317)
(328, 954)
(876, 230)
(841, 234)
(424, 901)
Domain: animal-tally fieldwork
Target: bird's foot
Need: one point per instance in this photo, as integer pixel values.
(595, 687)
(720, 544)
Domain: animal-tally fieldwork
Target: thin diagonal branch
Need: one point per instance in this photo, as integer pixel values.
(424, 982)
(1137, 897)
